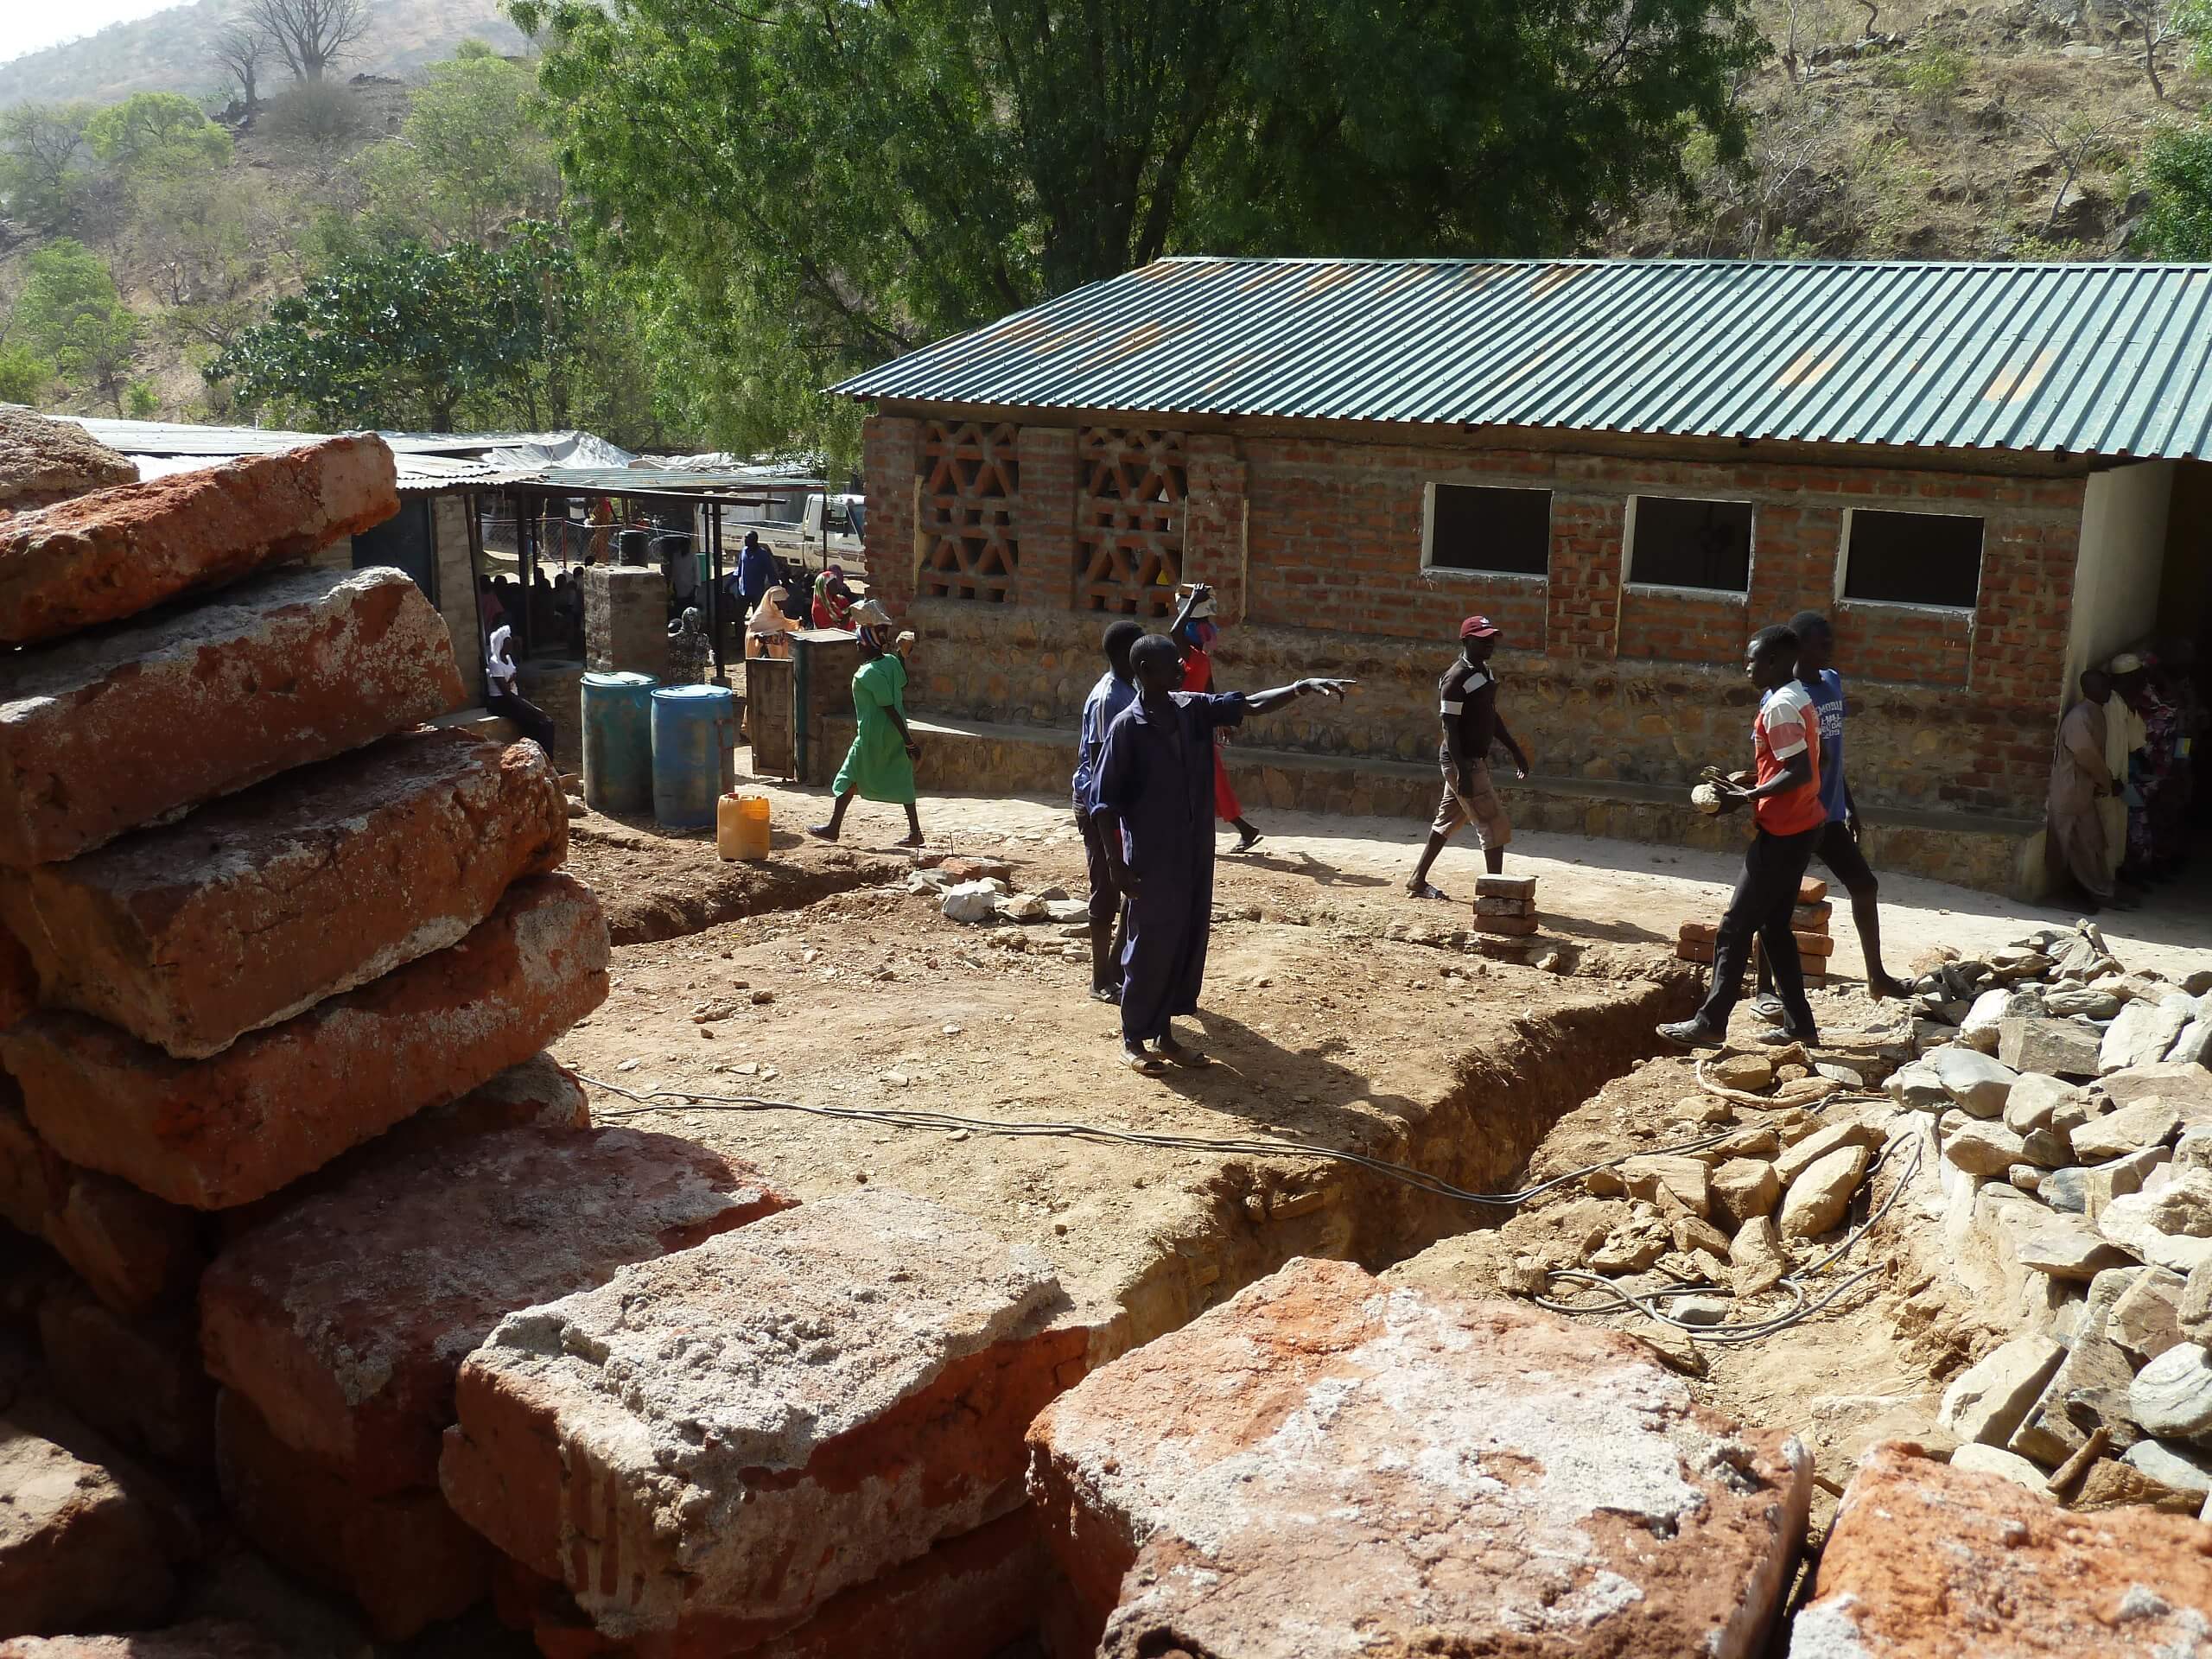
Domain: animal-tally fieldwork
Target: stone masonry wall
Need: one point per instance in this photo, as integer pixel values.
(1314, 546)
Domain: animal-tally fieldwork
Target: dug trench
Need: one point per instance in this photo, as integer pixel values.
(1324, 1034)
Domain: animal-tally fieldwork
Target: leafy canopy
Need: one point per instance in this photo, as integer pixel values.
(157, 132)
(40, 144)
(70, 315)
(812, 187)
(2177, 174)
(469, 160)
(406, 335)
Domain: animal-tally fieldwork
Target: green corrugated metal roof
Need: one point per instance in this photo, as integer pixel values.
(2110, 359)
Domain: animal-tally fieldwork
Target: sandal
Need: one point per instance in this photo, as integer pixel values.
(1144, 1064)
(1426, 891)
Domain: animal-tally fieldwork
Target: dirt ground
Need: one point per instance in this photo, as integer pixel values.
(1340, 1014)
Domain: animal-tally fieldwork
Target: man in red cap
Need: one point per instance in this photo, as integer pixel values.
(1467, 705)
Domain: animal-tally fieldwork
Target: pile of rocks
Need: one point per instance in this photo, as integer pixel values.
(2074, 1118)
(1779, 1146)
(279, 966)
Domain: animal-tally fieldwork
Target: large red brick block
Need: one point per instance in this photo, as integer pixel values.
(43, 460)
(203, 1638)
(134, 725)
(87, 1543)
(404, 1559)
(969, 1597)
(540, 1091)
(1323, 1464)
(134, 1251)
(261, 905)
(281, 1103)
(345, 1319)
(712, 1444)
(138, 1381)
(1926, 1561)
(112, 554)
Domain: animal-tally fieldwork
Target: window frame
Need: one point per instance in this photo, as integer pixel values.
(1628, 533)
(1429, 568)
(1929, 607)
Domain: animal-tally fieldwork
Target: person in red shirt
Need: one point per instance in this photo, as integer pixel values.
(1785, 799)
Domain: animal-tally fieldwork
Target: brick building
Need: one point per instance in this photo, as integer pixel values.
(1988, 475)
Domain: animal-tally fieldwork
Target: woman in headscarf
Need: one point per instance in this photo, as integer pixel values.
(881, 763)
(1195, 632)
(833, 599)
(768, 630)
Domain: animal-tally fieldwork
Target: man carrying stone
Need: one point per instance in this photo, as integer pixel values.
(1841, 834)
(1467, 706)
(1785, 798)
(1154, 817)
(1114, 691)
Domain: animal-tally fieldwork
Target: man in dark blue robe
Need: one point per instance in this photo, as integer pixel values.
(1155, 792)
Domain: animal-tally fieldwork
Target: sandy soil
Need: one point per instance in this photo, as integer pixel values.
(1340, 1012)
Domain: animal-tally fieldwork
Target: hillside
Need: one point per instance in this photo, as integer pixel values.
(168, 53)
(2009, 129)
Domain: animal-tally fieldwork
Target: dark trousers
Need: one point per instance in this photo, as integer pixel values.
(534, 723)
(1105, 897)
(1765, 894)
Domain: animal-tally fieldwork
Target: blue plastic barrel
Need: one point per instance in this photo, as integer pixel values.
(618, 742)
(695, 729)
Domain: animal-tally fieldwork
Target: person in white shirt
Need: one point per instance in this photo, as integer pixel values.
(500, 696)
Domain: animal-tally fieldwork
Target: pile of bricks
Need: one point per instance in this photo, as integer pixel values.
(1809, 921)
(1505, 906)
(279, 966)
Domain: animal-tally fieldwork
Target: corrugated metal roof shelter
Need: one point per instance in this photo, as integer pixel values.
(2107, 359)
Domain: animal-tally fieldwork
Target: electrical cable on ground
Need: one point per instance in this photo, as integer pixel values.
(650, 1101)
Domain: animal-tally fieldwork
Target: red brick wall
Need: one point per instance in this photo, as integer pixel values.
(1043, 523)
(1676, 624)
(1316, 532)
(891, 452)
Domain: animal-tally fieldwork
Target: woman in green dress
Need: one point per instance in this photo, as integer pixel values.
(881, 763)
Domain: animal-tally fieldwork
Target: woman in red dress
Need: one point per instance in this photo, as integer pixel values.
(1194, 631)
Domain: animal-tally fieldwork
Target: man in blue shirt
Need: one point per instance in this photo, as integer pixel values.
(1154, 816)
(1114, 691)
(1838, 844)
(756, 573)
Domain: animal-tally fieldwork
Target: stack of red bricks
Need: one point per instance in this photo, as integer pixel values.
(1809, 921)
(281, 964)
(1505, 906)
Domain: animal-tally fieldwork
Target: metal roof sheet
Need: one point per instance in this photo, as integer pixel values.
(2109, 359)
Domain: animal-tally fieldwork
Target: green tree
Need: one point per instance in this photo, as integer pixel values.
(40, 144)
(70, 315)
(833, 185)
(469, 160)
(157, 132)
(24, 376)
(406, 335)
(2176, 173)
(200, 241)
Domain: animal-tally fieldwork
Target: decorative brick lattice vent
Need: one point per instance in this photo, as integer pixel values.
(970, 486)
(1129, 526)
